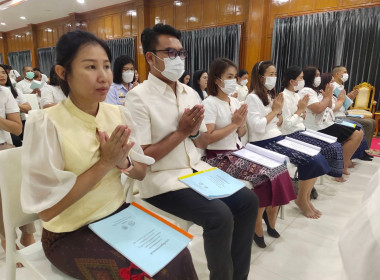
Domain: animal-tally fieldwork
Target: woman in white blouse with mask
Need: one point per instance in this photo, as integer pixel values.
(225, 121)
(264, 119)
(52, 93)
(241, 87)
(294, 113)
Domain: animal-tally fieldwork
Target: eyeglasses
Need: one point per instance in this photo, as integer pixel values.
(173, 53)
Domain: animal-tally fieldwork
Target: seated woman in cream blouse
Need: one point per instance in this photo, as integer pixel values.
(225, 121)
(73, 157)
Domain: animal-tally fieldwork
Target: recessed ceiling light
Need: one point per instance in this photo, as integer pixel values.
(80, 1)
(3, 23)
(23, 17)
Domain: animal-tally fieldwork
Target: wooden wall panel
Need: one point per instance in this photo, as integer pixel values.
(135, 30)
(181, 16)
(241, 10)
(326, 4)
(117, 26)
(101, 28)
(168, 14)
(210, 11)
(302, 5)
(108, 28)
(194, 14)
(126, 20)
(226, 11)
(349, 3)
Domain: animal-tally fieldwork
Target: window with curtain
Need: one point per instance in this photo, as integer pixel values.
(19, 59)
(205, 45)
(1, 58)
(122, 46)
(46, 58)
(350, 38)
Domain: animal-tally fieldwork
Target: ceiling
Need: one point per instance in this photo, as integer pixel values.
(37, 11)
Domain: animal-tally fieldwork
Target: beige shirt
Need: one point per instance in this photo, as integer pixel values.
(60, 144)
(156, 111)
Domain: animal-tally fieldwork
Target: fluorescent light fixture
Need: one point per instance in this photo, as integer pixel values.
(22, 17)
(3, 23)
(80, 1)
(132, 13)
(11, 3)
(178, 3)
(49, 30)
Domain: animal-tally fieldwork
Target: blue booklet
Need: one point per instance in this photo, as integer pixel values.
(212, 183)
(348, 124)
(144, 238)
(355, 116)
(347, 102)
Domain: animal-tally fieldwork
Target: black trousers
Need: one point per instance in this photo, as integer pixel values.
(228, 226)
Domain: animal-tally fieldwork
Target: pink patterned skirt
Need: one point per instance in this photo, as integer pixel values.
(272, 186)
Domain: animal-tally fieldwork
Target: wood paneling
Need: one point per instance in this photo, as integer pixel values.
(210, 12)
(348, 3)
(323, 4)
(194, 14)
(181, 16)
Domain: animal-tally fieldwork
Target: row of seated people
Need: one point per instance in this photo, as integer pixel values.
(84, 144)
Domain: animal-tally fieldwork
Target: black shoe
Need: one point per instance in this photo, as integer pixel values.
(313, 194)
(271, 231)
(366, 157)
(259, 241)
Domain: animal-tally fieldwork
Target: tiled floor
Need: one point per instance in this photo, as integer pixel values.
(307, 249)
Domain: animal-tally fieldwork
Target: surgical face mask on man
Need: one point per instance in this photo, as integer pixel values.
(174, 68)
(300, 85)
(127, 76)
(244, 82)
(344, 78)
(30, 75)
(317, 81)
(270, 82)
(229, 86)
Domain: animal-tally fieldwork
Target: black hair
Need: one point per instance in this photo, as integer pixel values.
(195, 82)
(54, 79)
(23, 68)
(217, 68)
(183, 77)
(309, 74)
(326, 78)
(258, 81)
(67, 48)
(290, 74)
(9, 83)
(149, 36)
(37, 69)
(118, 68)
(242, 72)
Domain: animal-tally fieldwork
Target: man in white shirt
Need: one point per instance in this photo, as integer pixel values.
(341, 76)
(24, 85)
(169, 119)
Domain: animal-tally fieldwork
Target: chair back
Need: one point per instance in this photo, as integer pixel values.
(32, 100)
(10, 186)
(364, 100)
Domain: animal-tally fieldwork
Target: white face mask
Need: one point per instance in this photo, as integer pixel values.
(128, 76)
(301, 85)
(345, 77)
(229, 86)
(244, 82)
(270, 82)
(317, 81)
(174, 68)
